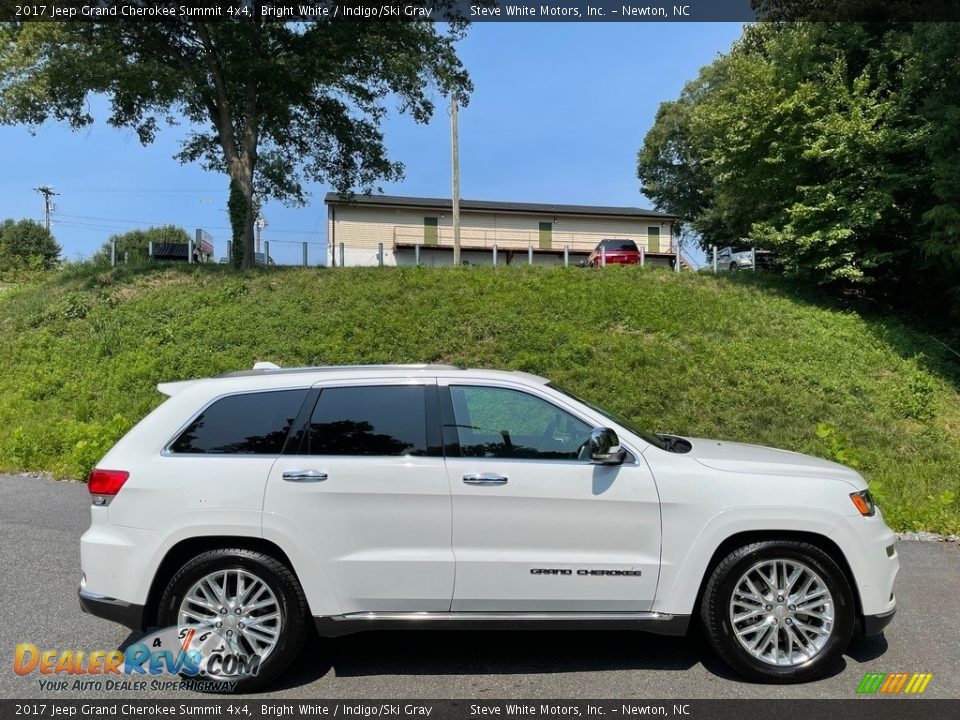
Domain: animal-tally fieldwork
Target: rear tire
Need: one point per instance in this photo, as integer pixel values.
(778, 631)
(281, 586)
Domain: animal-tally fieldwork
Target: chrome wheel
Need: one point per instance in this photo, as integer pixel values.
(239, 606)
(782, 612)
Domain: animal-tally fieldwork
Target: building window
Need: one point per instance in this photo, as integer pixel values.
(653, 239)
(430, 225)
(546, 235)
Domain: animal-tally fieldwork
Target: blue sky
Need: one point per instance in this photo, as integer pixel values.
(558, 113)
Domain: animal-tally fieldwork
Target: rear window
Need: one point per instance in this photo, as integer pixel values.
(247, 424)
(620, 245)
(384, 420)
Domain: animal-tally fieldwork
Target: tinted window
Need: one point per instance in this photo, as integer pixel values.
(252, 423)
(384, 420)
(499, 422)
(619, 419)
(620, 245)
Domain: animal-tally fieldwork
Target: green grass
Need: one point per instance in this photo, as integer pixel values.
(743, 358)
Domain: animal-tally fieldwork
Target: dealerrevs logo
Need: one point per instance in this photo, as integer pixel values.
(194, 653)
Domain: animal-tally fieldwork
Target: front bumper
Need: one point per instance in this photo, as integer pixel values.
(112, 609)
(875, 624)
(869, 548)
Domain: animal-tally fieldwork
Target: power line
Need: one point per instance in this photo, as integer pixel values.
(173, 222)
(138, 191)
(98, 226)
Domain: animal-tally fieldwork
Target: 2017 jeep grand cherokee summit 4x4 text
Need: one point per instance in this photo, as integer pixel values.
(424, 496)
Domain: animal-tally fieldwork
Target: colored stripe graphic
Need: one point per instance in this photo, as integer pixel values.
(894, 683)
(920, 682)
(871, 682)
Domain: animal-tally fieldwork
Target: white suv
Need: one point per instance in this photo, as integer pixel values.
(356, 498)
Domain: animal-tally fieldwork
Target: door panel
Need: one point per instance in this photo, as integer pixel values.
(546, 235)
(653, 239)
(372, 503)
(561, 534)
(430, 230)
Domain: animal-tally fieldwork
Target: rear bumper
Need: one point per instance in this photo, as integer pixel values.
(112, 609)
(874, 624)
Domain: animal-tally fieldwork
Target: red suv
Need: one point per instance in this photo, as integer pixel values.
(619, 252)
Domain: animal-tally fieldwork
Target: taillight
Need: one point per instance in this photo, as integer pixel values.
(104, 484)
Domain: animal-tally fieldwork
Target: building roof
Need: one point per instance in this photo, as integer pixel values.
(492, 206)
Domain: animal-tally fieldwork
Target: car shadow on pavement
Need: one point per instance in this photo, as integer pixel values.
(437, 652)
(865, 649)
(465, 652)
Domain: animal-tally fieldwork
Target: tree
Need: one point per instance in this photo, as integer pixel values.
(137, 242)
(835, 143)
(25, 243)
(271, 104)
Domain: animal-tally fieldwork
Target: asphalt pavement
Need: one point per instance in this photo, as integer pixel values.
(40, 526)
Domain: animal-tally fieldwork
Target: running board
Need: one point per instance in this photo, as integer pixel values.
(653, 622)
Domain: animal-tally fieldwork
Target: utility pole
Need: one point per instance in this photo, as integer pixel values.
(455, 158)
(48, 206)
(260, 224)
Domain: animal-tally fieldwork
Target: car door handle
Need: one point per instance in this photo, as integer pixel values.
(304, 476)
(485, 479)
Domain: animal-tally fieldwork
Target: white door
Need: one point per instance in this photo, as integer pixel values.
(536, 526)
(366, 500)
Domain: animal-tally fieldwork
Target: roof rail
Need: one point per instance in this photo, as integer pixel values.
(264, 368)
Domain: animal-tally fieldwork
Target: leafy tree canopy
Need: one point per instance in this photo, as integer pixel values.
(26, 243)
(274, 105)
(836, 143)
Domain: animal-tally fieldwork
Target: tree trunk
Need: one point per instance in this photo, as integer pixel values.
(242, 176)
(240, 153)
(249, 260)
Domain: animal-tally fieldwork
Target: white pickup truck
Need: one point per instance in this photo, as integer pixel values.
(249, 505)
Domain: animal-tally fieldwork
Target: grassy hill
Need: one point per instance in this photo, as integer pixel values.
(742, 358)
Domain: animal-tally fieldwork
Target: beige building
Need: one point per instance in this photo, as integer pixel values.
(408, 229)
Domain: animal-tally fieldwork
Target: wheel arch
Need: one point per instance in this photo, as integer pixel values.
(747, 537)
(190, 547)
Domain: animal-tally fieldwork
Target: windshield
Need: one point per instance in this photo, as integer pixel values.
(619, 245)
(618, 419)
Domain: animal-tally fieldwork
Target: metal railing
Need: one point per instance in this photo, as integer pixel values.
(508, 239)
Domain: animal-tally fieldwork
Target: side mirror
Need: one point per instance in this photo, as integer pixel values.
(605, 447)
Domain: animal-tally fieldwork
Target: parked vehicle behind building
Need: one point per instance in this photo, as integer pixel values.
(614, 252)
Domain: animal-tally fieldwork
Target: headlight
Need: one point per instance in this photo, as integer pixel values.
(864, 502)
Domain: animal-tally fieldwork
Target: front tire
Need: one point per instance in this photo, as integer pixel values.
(779, 611)
(225, 588)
